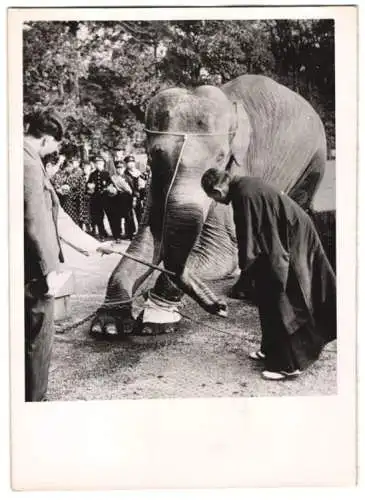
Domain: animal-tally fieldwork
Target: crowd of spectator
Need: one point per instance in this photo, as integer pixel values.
(100, 193)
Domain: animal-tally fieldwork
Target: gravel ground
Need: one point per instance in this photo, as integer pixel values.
(196, 362)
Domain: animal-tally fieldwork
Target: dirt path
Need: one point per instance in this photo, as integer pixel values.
(196, 362)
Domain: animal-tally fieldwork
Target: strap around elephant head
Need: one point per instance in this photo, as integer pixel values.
(185, 134)
(231, 132)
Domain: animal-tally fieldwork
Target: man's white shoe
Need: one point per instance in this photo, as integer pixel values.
(280, 375)
(257, 355)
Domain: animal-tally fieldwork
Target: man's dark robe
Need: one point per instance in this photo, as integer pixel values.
(294, 281)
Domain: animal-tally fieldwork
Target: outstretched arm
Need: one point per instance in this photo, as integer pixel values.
(74, 236)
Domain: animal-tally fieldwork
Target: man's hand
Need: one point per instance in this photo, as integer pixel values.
(100, 251)
(105, 250)
(91, 188)
(52, 279)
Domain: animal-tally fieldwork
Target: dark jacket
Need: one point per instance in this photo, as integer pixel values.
(133, 182)
(101, 180)
(42, 248)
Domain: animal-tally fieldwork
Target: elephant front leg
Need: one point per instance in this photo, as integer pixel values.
(161, 311)
(160, 314)
(213, 256)
(114, 318)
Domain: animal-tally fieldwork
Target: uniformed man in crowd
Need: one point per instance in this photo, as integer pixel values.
(98, 181)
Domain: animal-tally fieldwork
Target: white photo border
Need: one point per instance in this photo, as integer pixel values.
(205, 443)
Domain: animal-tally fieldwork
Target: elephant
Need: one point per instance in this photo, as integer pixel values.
(251, 126)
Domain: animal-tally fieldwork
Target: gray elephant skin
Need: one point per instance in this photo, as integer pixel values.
(251, 126)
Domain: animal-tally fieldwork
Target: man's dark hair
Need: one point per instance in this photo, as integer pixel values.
(212, 178)
(40, 123)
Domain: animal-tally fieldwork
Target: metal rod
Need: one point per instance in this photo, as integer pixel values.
(141, 261)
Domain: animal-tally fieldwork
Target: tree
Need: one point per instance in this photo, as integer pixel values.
(304, 61)
(199, 50)
(101, 75)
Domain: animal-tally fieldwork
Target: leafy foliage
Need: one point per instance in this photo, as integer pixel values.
(100, 75)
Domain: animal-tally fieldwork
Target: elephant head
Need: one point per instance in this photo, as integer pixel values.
(188, 132)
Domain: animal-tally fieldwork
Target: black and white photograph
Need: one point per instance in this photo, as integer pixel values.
(180, 204)
(131, 128)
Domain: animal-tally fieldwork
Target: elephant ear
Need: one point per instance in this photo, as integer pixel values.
(241, 134)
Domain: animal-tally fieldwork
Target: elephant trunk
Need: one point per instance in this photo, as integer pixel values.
(198, 290)
(186, 211)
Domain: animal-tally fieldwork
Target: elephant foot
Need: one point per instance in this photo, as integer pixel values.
(158, 318)
(112, 324)
(147, 332)
(158, 321)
